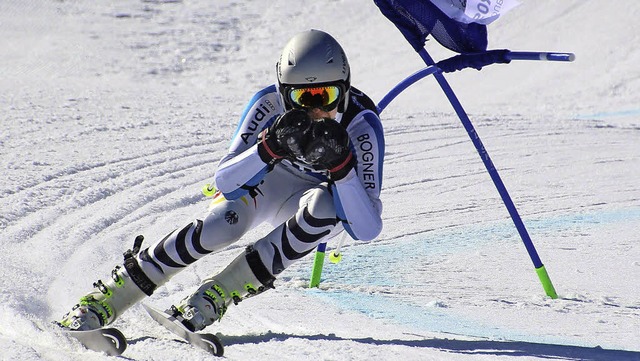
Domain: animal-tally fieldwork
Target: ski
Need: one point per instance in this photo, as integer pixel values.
(205, 341)
(108, 340)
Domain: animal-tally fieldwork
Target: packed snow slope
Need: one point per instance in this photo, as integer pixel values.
(115, 113)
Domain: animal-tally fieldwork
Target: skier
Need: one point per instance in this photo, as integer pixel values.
(306, 157)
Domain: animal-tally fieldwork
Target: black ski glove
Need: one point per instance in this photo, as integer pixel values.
(329, 148)
(286, 137)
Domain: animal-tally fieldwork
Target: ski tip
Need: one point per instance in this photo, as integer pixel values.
(205, 341)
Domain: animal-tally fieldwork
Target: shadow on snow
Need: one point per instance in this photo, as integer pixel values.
(471, 347)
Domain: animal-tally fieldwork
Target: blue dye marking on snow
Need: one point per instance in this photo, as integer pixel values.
(583, 221)
(376, 276)
(412, 254)
(430, 317)
(614, 114)
(388, 307)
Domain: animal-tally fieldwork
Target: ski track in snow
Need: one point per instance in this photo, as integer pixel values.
(116, 114)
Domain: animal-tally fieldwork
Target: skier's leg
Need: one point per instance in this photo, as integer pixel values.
(224, 225)
(143, 271)
(254, 271)
(314, 222)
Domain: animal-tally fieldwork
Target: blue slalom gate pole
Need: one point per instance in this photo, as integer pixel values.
(513, 212)
(419, 19)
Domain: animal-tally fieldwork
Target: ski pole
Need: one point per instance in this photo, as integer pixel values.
(335, 256)
(318, 263)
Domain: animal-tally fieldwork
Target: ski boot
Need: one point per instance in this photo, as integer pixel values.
(127, 285)
(244, 277)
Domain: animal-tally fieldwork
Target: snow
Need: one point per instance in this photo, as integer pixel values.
(115, 114)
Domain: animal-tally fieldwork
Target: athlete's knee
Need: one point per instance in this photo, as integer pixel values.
(184, 246)
(319, 204)
(225, 225)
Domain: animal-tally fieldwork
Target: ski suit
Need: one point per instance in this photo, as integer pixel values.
(303, 205)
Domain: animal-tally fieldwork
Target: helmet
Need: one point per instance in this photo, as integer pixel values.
(313, 60)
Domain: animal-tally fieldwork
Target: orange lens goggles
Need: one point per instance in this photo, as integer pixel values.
(324, 97)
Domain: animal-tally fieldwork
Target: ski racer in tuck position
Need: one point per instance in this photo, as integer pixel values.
(306, 157)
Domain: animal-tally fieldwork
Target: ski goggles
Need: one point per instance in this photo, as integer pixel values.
(321, 97)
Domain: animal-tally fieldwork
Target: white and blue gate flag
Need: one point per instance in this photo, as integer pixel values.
(456, 24)
(475, 11)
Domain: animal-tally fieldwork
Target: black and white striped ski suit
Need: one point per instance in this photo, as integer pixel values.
(300, 203)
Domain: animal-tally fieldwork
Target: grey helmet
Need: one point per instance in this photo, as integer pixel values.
(313, 58)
